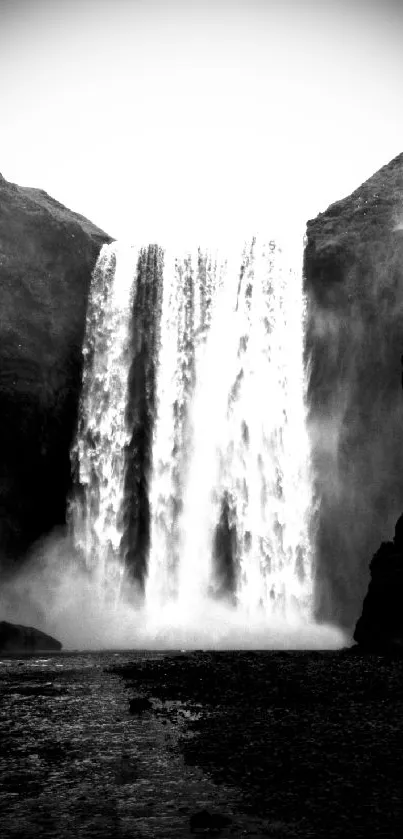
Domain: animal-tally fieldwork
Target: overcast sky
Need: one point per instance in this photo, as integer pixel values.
(151, 117)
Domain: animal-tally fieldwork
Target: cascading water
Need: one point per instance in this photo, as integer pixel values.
(240, 465)
(96, 512)
(202, 356)
(189, 289)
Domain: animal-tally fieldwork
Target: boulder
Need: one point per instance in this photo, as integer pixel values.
(139, 704)
(47, 254)
(380, 627)
(15, 638)
(353, 279)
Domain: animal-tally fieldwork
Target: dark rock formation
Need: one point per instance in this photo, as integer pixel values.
(141, 409)
(15, 638)
(139, 704)
(225, 545)
(353, 272)
(47, 254)
(380, 627)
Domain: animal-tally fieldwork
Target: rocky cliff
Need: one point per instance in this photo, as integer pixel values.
(353, 273)
(380, 626)
(47, 254)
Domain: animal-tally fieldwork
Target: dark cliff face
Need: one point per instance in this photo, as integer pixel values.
(354, 281)
(380, 626)
(47, 254)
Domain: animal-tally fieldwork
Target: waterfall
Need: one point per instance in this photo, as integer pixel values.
(192, 454)
(190, 284)
(96, 512)
(231, 440)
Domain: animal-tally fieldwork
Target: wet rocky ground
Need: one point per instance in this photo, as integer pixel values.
(278, 744)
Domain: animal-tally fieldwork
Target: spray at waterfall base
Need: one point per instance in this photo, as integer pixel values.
(196, 510)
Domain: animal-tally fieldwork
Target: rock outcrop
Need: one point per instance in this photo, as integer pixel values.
(15, 638)
(353, 272)
(380, 627)
(47, 254)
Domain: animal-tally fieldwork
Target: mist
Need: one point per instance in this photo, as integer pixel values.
(57, 595)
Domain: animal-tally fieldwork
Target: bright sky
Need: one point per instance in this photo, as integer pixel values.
(154, 117)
